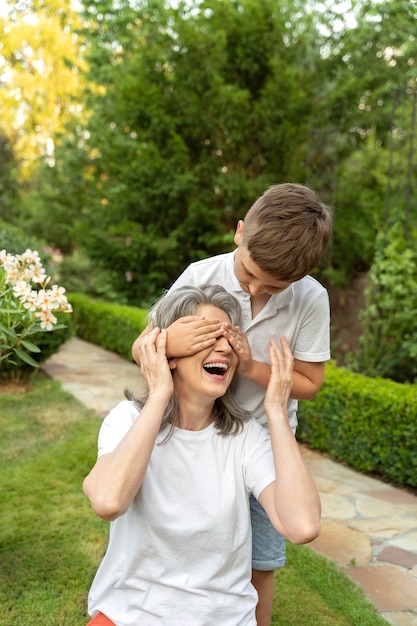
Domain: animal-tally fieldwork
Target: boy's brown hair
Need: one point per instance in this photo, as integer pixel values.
(286, 231)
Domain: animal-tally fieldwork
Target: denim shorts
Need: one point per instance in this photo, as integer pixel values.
(268, 546)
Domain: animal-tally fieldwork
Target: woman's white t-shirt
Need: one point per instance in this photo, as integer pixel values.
(181, 554)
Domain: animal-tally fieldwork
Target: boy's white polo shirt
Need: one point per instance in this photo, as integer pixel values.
(301, 313)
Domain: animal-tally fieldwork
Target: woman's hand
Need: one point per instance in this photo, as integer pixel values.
(154, 363)
(281, 379)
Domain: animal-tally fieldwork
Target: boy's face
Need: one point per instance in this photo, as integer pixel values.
(251, 278)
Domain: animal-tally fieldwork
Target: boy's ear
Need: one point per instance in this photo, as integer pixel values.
(239, 232)
(172, 362)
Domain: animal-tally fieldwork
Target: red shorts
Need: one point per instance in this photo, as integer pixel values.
(101, 620)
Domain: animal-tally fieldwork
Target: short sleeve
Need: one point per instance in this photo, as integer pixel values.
(313, 339)
(115, 426)
(259, 461)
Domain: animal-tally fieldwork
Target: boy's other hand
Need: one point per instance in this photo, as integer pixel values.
(239, 342)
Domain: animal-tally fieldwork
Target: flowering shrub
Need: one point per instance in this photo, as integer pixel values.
(27, 307)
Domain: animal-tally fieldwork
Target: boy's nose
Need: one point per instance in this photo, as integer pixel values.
(255, 288)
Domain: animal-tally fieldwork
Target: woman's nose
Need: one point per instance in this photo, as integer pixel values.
(222, 345)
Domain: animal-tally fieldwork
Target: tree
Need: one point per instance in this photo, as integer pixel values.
(195, 110)
(197, 113)
(9, 194)
(41, 63)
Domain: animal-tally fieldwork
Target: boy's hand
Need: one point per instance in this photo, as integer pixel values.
(191, 334)
(239, 342)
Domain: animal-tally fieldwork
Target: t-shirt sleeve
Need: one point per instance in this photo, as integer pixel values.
(259, 462)
(313, 341)
(115, 426)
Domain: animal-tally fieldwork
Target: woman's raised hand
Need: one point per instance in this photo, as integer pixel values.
(281, 379)
(154, 363)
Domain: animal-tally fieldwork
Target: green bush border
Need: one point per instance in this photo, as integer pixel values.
(369, 423)
(112, 326)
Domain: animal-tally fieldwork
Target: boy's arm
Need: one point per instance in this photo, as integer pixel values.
(308, 376)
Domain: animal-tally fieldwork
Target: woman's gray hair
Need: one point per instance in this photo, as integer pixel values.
(186, 300)
(228, 416)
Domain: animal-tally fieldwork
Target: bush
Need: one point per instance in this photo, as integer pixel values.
(370, 423)
(389, 338)
(15, 241)
(80, 274)
(112, 326)
(29, 307)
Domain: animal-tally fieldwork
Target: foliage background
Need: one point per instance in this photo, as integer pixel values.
(138, 132)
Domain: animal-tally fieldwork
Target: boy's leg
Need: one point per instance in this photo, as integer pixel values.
(268, 554)
(264, 583)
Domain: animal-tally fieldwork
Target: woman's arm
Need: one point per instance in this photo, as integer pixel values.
(292, 501)
(116, 477)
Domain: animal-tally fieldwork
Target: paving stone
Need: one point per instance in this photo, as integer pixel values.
(396, 496)
(405, 542)
(342, 544)
(397, 618)
(374, 508)
(383, 528)
(336, 506)
(389, 588)
(398, 556)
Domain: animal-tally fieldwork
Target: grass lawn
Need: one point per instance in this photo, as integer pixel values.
(51, 542)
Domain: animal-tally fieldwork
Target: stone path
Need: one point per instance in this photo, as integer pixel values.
(368, 527)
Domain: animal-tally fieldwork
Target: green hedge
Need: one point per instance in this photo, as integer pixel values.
(112, 326)
(369, 423)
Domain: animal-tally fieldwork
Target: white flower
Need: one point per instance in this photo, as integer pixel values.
(44, 300)
(57, 296)
(47, 318)
(31, 301)
(22, 290)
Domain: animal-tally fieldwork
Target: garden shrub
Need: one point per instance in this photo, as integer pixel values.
(112, 326)
(388, 344)
(369, 423)
(15, 241)
(22, 365)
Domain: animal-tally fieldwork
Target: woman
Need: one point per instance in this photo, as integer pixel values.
(174, 478)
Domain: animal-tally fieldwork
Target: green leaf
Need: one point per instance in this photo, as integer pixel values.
(25, 357)
(8, 331)
(30, 346)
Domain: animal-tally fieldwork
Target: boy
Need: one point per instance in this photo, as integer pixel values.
(281, 239)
